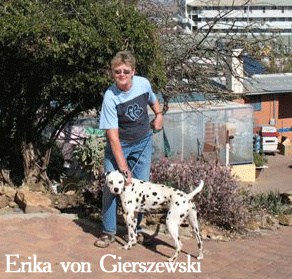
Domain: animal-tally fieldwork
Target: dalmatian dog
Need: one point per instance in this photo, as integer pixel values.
(145, 197)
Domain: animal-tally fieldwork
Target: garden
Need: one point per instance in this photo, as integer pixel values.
(224, 202)
(55, 66)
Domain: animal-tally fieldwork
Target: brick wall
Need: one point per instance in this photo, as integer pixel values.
(273, 106)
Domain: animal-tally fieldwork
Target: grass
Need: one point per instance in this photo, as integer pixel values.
(270, 202)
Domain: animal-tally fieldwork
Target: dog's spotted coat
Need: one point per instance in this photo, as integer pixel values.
(144, 197)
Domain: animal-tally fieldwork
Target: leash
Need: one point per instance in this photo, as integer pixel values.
(167, 148)
(149, 137)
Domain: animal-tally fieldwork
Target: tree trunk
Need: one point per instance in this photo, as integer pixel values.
(35, 170)
(5, 177)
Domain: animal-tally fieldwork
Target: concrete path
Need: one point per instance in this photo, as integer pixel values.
(278, 175)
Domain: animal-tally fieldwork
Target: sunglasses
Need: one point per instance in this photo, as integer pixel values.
(125, 72)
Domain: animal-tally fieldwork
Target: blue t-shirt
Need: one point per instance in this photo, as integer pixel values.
(127, 111)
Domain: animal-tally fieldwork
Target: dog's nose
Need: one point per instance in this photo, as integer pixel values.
(116, 190)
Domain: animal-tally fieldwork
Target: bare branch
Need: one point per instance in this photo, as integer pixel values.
(193, 59)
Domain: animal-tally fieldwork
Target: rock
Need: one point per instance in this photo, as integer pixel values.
(20, 200)
(285, 220)
(268, 222)
(36, 199)
(70, 192)
(13, 204)
(185, 231)
(28, 200)
(37, 187)
(253, 224)
(4, 201)
(210, 232)
(287, 196)
(63, 201)
(8, 191)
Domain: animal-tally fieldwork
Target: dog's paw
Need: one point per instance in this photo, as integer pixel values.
(127, 246)
(173, 259)
(200, 257)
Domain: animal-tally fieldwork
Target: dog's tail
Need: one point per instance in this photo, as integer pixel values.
(196, 191)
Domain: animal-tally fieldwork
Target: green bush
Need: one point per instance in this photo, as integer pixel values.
(90, 155)
(270, 203)
(259, 159)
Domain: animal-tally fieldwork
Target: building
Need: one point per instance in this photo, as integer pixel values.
(269, 94)
(271, 98)
(263, 17)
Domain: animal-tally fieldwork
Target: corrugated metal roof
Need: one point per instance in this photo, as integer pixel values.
(262, 84)
(203, 106)
(238, 2)
(268, 84)
(217, 2)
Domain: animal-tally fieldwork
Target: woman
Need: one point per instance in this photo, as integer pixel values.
(125, 119)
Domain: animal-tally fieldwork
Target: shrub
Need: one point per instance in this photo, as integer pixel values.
(219, 203)
(259, 159)
(270, 202)
(90, 156)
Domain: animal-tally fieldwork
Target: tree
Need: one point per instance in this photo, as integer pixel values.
(54, 64)
(191, 60)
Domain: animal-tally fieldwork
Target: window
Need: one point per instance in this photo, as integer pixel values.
(284, 106)
(256, 102)
(196, 18)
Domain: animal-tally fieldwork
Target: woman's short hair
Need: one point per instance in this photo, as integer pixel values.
(123, 57)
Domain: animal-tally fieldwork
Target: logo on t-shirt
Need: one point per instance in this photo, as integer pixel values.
(134, 112)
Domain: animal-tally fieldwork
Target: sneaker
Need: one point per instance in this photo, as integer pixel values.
(104, 241)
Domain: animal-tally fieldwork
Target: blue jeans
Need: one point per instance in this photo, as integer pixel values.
(138, 155)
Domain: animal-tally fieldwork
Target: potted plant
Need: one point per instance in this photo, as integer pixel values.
(260, 162)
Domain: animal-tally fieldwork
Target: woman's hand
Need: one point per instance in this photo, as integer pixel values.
(113, 137)
(128, 176)
(157, 122)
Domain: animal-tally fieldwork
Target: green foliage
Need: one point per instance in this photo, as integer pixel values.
(259, 159)
(270, 202)
(91, 155)
(67, 46)
(54, 63)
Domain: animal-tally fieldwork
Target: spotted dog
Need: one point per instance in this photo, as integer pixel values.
(144, 197)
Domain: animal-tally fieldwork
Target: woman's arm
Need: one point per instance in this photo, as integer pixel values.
(114, 139)
(157, 122)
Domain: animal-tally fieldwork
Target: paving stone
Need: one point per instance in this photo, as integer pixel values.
(59, 238)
